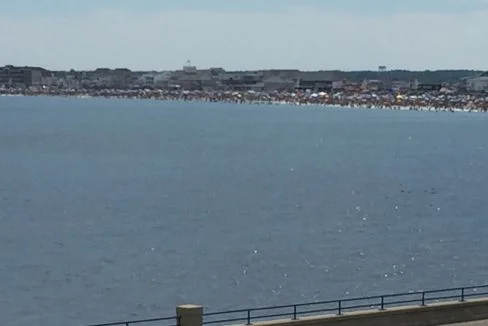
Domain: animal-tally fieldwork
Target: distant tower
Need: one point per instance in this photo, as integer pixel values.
(382, 68)
(188, 68)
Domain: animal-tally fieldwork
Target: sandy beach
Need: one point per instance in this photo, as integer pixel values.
(414, 101)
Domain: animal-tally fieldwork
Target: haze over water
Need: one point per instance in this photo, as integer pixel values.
(119, 209)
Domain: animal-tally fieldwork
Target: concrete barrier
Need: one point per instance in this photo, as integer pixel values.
(189, 315)
(431, 315)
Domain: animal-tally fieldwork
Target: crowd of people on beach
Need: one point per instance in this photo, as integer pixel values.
(412, 100)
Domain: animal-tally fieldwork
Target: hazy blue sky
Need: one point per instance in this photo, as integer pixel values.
(245, 34)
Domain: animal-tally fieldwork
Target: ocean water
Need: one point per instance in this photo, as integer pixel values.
(121, 209)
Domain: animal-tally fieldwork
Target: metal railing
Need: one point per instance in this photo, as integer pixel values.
(166, 321)
(294, 311)
(381, 302)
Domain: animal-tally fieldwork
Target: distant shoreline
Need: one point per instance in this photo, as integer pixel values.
(431, 102)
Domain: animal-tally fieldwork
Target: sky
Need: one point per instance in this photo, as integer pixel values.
(245, 34)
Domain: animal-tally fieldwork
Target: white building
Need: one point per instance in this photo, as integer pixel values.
(401, 85)
(161, 79)
(477, 84)
(338, 84)
(146, 79)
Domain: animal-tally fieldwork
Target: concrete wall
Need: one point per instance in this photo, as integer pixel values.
(431, 315)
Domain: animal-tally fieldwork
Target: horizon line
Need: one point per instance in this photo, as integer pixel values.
(259, 69)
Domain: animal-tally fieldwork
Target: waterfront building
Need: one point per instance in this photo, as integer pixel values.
(13, 76)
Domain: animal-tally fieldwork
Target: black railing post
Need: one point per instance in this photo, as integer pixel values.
(127, 324)
(249, 317)
(462, 294)
(382, 307)
(423, 298)
(339, 307)
(294, 312)
(178, 321)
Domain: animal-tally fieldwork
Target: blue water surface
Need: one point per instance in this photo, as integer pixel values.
(122, 209)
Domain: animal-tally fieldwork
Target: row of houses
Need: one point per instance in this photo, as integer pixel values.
(188, 78)
(191, 78)
(266, 80)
